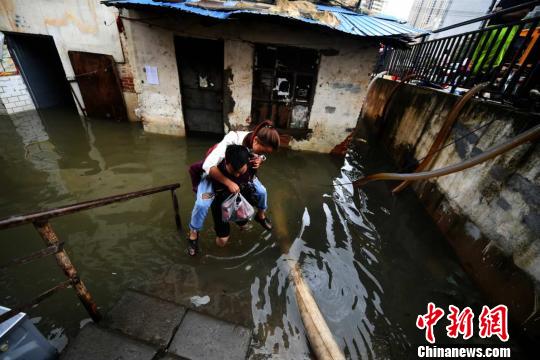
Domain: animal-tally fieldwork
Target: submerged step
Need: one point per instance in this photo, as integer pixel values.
(94, 342)
(204, 337)
(145, 317)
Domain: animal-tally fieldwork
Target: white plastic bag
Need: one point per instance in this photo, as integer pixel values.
(236, 208)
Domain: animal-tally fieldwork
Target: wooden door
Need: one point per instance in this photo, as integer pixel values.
(99, 84)
(200, 67)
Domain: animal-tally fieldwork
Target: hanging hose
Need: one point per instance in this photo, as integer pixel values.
(394, 90)
(443, 132)
(529, 135)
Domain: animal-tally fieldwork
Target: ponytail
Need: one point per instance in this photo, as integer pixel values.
(267, 135)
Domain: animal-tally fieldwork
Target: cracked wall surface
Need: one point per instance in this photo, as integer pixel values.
(343, 75)
(490, 212)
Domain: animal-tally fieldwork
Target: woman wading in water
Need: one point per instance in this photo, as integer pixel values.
(264, 139)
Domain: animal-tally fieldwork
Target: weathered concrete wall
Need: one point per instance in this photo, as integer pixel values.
(238, 63)
(341, 88)
(160, 106)
(78, 25)
(490, 212)
(341, 83)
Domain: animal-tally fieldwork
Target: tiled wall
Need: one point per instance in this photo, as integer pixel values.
(14, 96)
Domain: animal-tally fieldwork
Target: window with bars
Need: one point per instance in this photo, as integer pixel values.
(284, 80)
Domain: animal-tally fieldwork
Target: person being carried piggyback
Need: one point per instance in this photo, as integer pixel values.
(263, 140)
(237, 168)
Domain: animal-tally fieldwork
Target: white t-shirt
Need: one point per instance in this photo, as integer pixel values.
(218, 154)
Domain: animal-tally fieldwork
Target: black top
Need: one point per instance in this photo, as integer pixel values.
(243, 179)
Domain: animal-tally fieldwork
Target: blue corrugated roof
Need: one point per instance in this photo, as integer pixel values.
(349, 21)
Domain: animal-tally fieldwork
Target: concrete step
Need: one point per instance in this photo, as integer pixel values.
(94, 342)
(203, 337)
(146, 318)
(140, 326)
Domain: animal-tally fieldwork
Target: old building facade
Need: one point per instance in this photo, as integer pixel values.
(183, 68)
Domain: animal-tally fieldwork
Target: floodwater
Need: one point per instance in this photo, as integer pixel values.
(373, 261)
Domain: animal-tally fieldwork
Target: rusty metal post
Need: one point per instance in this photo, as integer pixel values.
(176, 211)
(51, 239)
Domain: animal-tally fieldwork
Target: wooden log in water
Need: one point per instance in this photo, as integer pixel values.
(320, 337)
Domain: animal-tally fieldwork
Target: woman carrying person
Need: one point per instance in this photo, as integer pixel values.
(264, 139)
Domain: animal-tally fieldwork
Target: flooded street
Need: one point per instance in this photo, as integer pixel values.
(373, 261)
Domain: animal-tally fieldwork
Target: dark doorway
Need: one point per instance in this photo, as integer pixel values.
(99, 84)
(41, 68)
(200, 67)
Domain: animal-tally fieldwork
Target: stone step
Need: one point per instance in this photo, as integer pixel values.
(140, 326)
(204, 337)
(94, 342)
(145, 317)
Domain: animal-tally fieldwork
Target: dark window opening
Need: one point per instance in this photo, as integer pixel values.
(284, 81)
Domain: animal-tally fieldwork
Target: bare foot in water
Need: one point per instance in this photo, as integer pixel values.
(221, 242)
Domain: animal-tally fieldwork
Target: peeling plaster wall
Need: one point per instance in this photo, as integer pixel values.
(490, 212)
(238, 80)
(341, 88)
(81, 25)
(501, 196)
(160, 106)
(341, 84)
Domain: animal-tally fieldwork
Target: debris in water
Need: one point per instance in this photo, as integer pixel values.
(58, 339)
(248, 267)
(198, 300)
(84, 322)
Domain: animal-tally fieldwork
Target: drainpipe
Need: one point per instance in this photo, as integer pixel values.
(443, 132)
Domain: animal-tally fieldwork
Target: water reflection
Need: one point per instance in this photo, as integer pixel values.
(371, 261)
(344, 283)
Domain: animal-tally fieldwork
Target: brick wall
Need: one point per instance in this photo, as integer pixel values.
(124, 70)
(126, 77)
(14, 95)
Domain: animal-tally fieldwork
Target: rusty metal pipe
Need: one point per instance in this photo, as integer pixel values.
(33, 256)
(44, 295)
(176, 210)
(443, 132)
(529, 135)
(48, 235)
(73, 208)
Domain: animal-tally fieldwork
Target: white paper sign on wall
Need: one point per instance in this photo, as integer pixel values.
(151, 75)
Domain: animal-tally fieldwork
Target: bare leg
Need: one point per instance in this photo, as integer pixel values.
(222, 241)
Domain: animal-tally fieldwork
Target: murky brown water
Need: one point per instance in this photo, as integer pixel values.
(372, 261)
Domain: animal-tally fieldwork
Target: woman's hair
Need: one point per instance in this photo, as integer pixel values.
(267, 135)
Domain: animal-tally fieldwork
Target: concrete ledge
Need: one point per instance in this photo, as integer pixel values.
(94, 342)
(203, 337)
(144, 317)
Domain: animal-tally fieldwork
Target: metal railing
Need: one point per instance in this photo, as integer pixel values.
(55, 247)
(505, 56)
